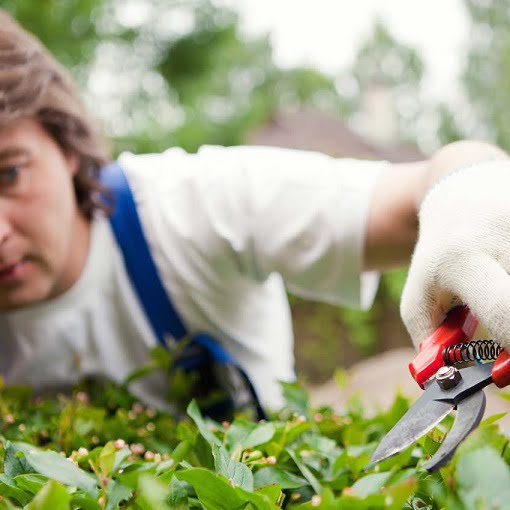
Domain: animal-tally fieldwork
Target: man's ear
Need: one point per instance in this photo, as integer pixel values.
(73, 162)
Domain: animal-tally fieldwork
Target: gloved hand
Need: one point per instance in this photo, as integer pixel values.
(463, 252)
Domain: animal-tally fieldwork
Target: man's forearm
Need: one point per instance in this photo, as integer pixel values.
(393, 219)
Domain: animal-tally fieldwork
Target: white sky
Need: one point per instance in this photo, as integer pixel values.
(326, 33)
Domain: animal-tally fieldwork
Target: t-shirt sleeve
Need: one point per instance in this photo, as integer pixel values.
(301, 214)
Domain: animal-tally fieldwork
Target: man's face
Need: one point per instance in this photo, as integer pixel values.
(43, 237)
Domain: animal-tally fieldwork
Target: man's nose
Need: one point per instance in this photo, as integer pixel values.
(5, 229)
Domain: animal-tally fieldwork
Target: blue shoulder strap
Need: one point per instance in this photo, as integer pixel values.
(138, 259)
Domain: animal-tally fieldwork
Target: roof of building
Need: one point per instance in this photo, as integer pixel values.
(313, 130)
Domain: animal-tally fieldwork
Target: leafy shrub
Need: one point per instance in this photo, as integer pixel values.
(100, 449)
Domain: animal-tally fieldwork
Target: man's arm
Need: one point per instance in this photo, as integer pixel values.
(393, 223)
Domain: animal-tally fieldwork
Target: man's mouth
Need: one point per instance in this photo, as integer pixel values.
(12, 272)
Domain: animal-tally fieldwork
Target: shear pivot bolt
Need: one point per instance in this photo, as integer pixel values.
(448, 377)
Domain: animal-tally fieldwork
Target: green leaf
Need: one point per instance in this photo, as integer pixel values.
(258, 499)
(322, 444)
(305, 472)
(396, 462)
(178, 497)
(153, 494)
(358, 457)
(488, 435)
(428, 446)
(260, 435)
(179, 453)
(116, 492)
(237, 433)
(53, 465)
(88, 419)
(52, 495)
(340, 463)
(31, 483)
(271, 475)
(492, 419)
(203, 453)
(84, 501)
(484, 479)
(120, 456)
(140, 373)
(15, 465)
(213, 492)
(194, 413)
(356, 434)
(9, 489)
(5, 504)
(186, 431)
(396, 494)
(398, 408)
(106, 459)
(296, 398)
(163, 357)
(326, 501)
(348, 502)
(237, 472)
(295, 429)
(273, 492)
(245, 434)
(370, 484)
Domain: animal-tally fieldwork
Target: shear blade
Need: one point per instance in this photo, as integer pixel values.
(423, 416)
(430, 409)
(469, 414)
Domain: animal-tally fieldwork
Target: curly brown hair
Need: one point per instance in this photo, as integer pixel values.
(34, 85)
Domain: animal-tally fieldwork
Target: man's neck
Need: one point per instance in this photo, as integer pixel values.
(78, 254)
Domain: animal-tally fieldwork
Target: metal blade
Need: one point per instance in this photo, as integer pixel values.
(469, 414)
(423, 416)
(430, 409)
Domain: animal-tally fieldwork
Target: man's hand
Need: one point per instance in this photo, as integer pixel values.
(463, 252)
(461, 197)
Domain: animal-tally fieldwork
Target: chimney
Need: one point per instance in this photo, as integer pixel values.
(377, 119)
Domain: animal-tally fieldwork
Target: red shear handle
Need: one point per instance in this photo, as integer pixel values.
(501, 370)
(459, 326)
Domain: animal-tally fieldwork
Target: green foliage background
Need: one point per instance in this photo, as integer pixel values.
(181, 73)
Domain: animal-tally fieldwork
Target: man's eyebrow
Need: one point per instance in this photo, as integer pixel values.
(13, 152)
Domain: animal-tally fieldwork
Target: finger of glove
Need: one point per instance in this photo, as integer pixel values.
(424, 302)
(484, 285)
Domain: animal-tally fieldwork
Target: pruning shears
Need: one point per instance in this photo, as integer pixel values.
(444, 368)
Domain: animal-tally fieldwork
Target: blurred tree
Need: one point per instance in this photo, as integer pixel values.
(486, 79)
(168, 72)
(66, 27)
(487, 74)
(224, 84)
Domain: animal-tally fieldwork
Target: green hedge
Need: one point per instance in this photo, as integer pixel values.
(98, 448)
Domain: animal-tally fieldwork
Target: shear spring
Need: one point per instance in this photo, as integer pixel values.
(480, 351)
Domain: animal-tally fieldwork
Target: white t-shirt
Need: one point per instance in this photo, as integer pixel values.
(229, 228)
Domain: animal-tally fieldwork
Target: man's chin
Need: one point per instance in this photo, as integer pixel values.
(21, 297)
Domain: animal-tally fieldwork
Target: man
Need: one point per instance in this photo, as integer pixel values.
(228, 229)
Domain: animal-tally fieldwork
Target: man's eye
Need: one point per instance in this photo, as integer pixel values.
(9, 175)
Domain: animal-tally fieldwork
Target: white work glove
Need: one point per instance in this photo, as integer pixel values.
(463, 252)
